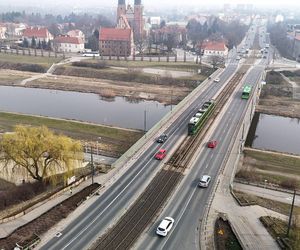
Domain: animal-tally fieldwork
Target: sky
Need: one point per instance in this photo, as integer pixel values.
(149, 2)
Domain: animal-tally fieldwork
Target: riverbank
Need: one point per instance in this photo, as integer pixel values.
(270, 168)
(111, 141)
(278, 96)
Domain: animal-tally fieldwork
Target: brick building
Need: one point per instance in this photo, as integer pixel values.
(134, 16)
(115, 42)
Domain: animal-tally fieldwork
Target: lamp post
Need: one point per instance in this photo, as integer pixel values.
(291, 214)
(92, 165)
(99, 138)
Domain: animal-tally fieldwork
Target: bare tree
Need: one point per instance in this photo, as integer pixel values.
(140, 45)
(217, 61)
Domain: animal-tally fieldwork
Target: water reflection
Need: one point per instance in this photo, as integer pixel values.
(116, 111)
(275, 133)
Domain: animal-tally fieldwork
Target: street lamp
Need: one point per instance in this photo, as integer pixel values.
(92, 164)
(99, 138)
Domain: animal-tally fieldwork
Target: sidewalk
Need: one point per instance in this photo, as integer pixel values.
(8, 227)
(267, 193)
(245, 222)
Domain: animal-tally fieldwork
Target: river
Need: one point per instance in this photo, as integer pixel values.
(117, 111)
(276, 133)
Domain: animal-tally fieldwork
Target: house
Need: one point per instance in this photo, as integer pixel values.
(39, 34)
(76, 33)
(68, 44)
(214, 48)
(2, 31)
(116, 41)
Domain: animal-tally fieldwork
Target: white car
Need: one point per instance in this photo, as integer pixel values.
(217, 80)
(165, 226)
(204, 181)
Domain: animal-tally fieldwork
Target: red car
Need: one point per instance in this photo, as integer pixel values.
(160, 154)
(212, 144)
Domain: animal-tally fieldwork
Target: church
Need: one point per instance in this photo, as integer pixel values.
(133, 15)
(119, 41)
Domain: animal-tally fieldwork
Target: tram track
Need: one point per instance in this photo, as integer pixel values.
(129, 227)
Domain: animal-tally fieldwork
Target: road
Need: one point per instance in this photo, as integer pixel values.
(110, 206)
(188, 203)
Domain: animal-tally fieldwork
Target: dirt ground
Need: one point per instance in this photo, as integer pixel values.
(281, 170)
(277, 97)
(105, 88)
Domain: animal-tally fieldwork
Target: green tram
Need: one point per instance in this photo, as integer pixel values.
(246, 92)
(199, 119)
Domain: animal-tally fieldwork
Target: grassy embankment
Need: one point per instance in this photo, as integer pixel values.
(132, 71)
(278, 228)
(277, 95)
(278, 169)
(114, 141)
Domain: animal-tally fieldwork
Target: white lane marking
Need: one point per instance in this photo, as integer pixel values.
(96, 218)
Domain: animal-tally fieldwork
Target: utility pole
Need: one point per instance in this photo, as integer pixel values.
(92, 165)
(291, 214)
(145, 121)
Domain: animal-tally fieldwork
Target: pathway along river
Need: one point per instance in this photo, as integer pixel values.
(117, 111)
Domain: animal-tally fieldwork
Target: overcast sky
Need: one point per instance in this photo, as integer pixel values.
(147, 2)
(66, 6)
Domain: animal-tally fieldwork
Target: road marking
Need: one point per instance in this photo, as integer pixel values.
(100, 214)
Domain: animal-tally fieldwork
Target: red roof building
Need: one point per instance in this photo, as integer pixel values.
(39, 34)
(115, 42)
(68, 44)
(212, 48)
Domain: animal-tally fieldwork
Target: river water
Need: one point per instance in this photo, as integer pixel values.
(276, 133)
(118, 111)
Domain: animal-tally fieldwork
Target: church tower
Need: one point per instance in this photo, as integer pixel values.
(121, 9)
(138, 19)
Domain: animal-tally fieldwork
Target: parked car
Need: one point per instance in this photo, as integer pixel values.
(165, 226)
(212, 144)
(161, 154)
(162, 138)
(204, 181)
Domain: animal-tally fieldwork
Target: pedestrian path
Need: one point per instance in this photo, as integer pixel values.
(267, 193)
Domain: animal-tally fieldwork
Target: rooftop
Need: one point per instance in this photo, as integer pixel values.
(115, 34)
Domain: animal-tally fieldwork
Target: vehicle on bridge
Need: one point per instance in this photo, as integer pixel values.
(204, 181)
(162, 138)
(161, 154)
(212, 144)
(199, 119)
(165, 226)
(246, 92)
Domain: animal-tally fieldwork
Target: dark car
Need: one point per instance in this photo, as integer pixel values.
(162, 138)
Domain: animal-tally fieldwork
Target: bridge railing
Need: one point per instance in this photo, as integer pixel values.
(143, 143)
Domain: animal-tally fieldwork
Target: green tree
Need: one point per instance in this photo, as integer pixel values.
(37, 151)
(33, 42)
(25, 43)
